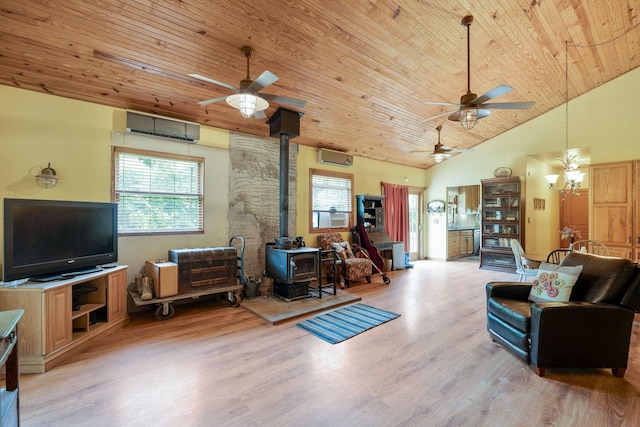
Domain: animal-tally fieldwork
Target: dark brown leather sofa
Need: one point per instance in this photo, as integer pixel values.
(592, 330)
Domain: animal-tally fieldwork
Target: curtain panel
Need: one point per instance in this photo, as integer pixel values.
(396, 212)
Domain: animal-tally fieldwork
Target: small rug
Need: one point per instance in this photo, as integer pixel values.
(344, 323)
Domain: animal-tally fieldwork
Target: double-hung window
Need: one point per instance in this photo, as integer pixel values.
(158, 193)
(331, 201)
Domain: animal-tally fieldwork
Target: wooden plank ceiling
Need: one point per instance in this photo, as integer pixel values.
(365, 68)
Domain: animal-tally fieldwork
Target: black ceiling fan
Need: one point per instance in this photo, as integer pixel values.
(472, 107)
(248, 98)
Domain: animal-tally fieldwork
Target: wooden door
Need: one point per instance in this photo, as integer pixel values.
(58, 318)
(117, 295)
(574, 213)
(612, 206)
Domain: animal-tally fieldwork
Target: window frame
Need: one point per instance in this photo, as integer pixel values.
(157, 154)
(346, 176)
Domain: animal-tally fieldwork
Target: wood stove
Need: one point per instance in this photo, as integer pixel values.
(292, 270)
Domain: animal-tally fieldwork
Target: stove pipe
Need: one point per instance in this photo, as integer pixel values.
(285, 124)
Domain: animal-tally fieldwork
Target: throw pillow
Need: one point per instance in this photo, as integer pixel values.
(554, 283)
(343, 246)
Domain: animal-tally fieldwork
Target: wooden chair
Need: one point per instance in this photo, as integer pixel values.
(525, 267)
(557, 255)
(591, 247)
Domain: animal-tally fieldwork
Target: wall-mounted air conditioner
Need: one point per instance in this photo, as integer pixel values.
(337, 158)
(163, 127)
(333, 220)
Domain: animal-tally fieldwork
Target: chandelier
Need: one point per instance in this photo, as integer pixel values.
(572, 175)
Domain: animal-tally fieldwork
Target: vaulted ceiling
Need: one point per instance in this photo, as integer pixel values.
(365, 68)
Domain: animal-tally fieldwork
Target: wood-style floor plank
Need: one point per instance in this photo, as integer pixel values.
(433, 366)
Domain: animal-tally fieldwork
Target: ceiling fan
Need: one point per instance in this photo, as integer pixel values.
(248, 98)
(442, 152)
(472, 107)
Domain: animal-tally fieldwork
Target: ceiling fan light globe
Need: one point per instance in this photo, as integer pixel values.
(468, 117)
(247, 103)
(439, 157)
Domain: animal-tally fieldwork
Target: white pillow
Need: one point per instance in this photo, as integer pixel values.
(343, 246)
(554, 283)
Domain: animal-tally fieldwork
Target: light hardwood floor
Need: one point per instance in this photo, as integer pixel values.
(433, 366)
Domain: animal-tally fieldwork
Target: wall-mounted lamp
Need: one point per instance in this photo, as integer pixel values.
(47, 177)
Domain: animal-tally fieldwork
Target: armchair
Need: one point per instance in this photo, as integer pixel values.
(590, 330)
(350, 266)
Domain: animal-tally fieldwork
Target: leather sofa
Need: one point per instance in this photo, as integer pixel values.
(591, 330)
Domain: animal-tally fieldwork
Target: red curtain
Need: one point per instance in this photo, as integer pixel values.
(396, 212)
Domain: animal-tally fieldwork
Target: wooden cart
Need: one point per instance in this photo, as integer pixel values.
(165, 308)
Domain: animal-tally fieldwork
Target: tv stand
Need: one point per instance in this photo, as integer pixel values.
(52, 331)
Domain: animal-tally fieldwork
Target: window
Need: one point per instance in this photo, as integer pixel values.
(331, 201)
(158, 193)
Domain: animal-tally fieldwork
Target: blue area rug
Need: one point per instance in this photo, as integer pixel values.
(343, 323)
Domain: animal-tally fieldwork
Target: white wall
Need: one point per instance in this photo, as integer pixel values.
(603, 120)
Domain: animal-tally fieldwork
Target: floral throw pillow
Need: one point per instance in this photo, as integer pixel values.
(343, 246)
(554, 283)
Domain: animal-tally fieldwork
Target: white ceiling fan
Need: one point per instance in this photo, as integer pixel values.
(248, 98)
(472, 107)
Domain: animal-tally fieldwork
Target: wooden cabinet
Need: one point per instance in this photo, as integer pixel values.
(466, 242)
(453, 244)
(459, 243)
(61, 316)
(503, 208)
(371, 212)
(613, 194)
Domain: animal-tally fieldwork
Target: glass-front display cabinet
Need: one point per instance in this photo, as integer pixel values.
(502, 220)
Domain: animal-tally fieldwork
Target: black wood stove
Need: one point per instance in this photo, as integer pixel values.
(290, 268)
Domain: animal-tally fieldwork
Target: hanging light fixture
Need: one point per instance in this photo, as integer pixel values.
(247, 103)
(573, 177)
(47, 177)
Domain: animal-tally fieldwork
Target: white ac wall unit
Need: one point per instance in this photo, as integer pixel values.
(333, 220)
(337, 158)
(163, 127)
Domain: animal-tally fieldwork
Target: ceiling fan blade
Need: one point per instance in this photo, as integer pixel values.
(500, 90)
(462, 150)
(215, 82)
(284, 100)
(263, 80)
(450, 104)
(444, 113)
(259, 115)
(509, 105)
(211, 101)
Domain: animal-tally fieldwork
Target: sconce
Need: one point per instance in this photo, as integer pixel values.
(47, 177)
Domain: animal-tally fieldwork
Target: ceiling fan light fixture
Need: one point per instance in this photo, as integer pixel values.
(468, 117)
(247, 103)
(439, 157)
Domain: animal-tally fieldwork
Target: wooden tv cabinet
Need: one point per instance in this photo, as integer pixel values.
(51, 331)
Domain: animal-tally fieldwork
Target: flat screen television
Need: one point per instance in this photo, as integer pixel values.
(52, 239)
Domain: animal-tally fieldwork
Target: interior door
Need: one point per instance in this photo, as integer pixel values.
(574, 213)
